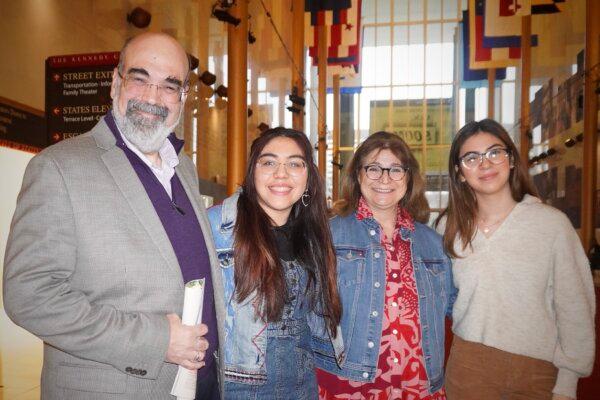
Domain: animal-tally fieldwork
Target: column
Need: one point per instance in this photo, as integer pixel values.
(202, 103)
(491, 75)
(336, 137)
(298, 58)
(322, 124)
(525, 83)
(237, 50)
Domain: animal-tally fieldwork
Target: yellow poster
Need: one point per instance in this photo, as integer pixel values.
(425, 126)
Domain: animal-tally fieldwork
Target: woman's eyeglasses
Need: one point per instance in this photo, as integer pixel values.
(375, 172)
(474, 159)
(292, 167)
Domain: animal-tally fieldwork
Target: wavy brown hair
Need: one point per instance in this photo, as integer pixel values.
(461, 213)
(414, 200)
(258, 268)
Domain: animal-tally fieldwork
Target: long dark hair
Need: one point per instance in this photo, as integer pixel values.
(414, 200)
(257, 266)
(461, 213)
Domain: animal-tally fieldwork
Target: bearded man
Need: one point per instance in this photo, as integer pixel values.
(108, 228)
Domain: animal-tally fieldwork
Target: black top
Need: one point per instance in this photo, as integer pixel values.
(283, 240)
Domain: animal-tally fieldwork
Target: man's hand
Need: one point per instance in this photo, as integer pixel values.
(187, 345)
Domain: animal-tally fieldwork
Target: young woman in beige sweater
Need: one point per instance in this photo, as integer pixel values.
(524, 317)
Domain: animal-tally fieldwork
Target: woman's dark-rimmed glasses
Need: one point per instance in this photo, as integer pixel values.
(375, 172)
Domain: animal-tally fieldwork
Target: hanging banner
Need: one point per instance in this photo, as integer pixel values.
(479, 56)
(21, 127)
(470, 78)
(77, 92)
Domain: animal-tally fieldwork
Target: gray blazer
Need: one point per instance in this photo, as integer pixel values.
(90, 270)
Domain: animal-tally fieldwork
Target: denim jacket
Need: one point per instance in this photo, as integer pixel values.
(361, 272)
(245, 333)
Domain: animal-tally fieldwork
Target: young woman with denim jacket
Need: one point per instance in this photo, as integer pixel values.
(394, 280)
(278, 264)
(523, 321)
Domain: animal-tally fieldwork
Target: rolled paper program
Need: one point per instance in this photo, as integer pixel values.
(184, 387)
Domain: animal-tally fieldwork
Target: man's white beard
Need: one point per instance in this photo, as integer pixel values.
(147, 134)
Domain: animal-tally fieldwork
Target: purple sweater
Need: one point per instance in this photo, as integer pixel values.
(183, 229)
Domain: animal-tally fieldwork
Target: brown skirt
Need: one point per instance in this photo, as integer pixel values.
(479, 372)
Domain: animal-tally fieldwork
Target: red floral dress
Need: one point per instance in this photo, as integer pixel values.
(400, 370)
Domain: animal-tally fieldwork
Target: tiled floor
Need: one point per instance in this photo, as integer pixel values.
(20, 362)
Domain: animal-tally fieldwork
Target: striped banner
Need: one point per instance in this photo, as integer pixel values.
(502, 23)
(343, 39)
(471, 78)
(481, 57)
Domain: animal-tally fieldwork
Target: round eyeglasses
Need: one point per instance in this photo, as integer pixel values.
(375, 172)
(474, 159)
(293, 168)
(135, 85)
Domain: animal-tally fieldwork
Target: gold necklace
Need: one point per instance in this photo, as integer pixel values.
(487, 228)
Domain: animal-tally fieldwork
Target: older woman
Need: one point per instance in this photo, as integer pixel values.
(394, 280)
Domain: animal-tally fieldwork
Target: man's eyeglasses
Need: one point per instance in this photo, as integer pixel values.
(375, 172)
(474, 159)
(135, 85)
(293, 167)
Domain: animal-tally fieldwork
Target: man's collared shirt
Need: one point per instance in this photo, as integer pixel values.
(169, 160)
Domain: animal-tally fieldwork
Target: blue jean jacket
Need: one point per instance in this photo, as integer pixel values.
(361, 283)
(245, 333)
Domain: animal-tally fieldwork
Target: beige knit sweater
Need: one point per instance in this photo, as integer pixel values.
(528, 290)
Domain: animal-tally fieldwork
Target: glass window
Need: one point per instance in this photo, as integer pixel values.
(433, 91)
(400, 10)
(481, 103)
(433, 54)
(383, 11)
(416, 54)
(366, 96)
(508, 103)
(368, 11)
(400, 56)
(262, 84)
(400, 93)
(434, 9)
(462, 98)
(447, 91)
(448, 30)
(415, 10)
(262, 98)
(532, 91)
(415, 92)
(511, 73)
(368, 61)
(329, 116)
(382, 59)
(451, 10)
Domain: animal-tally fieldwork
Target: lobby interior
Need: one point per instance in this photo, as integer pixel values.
(398, 65)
